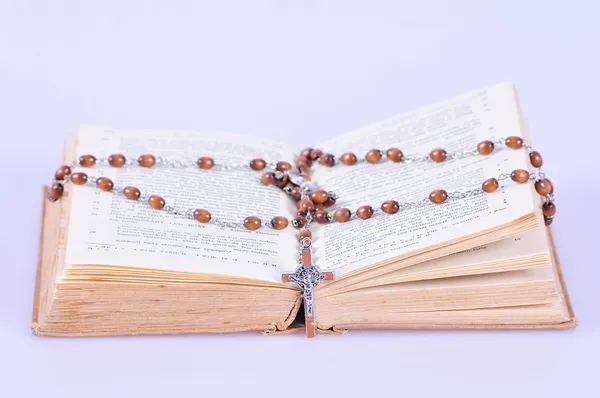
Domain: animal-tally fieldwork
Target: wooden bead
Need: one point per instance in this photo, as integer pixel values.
(87, 160)
(206, 162)
(283, 181)
(156, 202)
(341, 215)
(485, 147)
(364, 212)
(544, 187)
(319, 206)
(548, 220)
(296, 193)
(373, 156)
(131, 193)
(438, 196)
(390, 206)
(521, 176)
(299, 221)
(62, 172)
(147, 160)
(394, 154)
(257, 164)
(252, 223)
(116, 160)
(305, 153)
(327, 160)
(536, 159)
(348, 159)
(279, 222)
(490, 185)
(315, 154)
(549, 209)
(329, 202)
(319, 196)
(267, 178)
(283, 166)
(55, 191)
(438, 155)
(305, 233)
(305, 206)
(320, 216)
(514, 142)
(105, 184)
(79, 178)
(202, 215)
(303, 168)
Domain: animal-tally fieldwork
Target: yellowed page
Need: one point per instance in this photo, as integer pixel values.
(111, 230)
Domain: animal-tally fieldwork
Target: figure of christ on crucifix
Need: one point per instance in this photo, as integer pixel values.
(307, 277)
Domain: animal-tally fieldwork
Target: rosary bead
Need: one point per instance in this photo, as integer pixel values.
(536, 159)
(549, 209)
(302, 166)
(320, 216)
(62, 172)
(329, 202)
(319, 196)
(543, 187)
(341, 215)
(315, 154)
(490, 185)
(364, 212)
(348, 159)
(87, 160)
(131, 193)
(79, 178)
(327, 160)
(438, 196)
(257, 164)
(206, 162)
(438, 155)
(156, 202)
(267, 178)
(306, 206)
(390, 206)
(252, 223)
(394, 154)
(485, 147)
(521, 176)
(283, 181)
(548, 220)
(279, 222)
(299, 221)
(147, 160)
(514, 142)
(373, 156)
(116, 160)
(305, 153)
(319, 206)
(296, 193)
(202, 215)
(283, 166)
(56, 191)
(305, 233)
(104, 183)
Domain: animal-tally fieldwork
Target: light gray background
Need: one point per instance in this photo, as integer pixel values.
(299, 71)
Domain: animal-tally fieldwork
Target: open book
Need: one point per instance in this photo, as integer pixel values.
(108, 266)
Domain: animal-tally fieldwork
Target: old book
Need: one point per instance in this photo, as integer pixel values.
(109, 266)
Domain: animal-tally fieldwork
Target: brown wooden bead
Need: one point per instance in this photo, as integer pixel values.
(296, 193)
(548, 220)
(319, 206)
(252, 223)
(490, 185)
(315, 154)
(147, 160)
(257, 164)
(283, 181)
(320, 216)
(267, 178)
(116, 160)
(329, 202)
(305, 206)
(438, 155)
(79, 178)
(364, 212)
(279, 222)
(544, 187)
(348, 159)
(390, 206)
(485, 147)
(536, 159)
(156, 202)
(202, 215)
(394, 154)
(206, 162)
(373, 156)
(131, 193)
(514, 142)
(299, 221)
(327, 160)
(283, 166)
(549, 209)
(104, 183)
(62, 172)
(306, 152)
(305, 233)
(438, 196)
(303, 167)
(319, 196)
(341, 215)
(521, 176)
(87, 160)
(56, 191)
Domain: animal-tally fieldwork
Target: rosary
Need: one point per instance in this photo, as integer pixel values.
(312, 201)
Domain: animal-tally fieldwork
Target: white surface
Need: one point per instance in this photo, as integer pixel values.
(299, 72)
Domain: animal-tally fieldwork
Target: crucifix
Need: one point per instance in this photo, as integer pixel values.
(307, 277)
